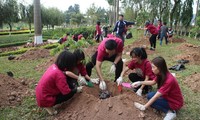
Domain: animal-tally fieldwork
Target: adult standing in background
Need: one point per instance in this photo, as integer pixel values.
(98, 31)
(120, 27)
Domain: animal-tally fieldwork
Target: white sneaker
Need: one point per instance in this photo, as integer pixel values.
(170, 115)
(51, 111)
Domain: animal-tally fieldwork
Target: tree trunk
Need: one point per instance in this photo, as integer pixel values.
(197, 12)
(37, 22)
(1, 25)
(114, 11)
(176, 2)
(117, 9)
(10, 26)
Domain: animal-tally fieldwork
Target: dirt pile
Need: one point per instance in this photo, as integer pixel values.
(34, 54)
(193, 82)
(7, 49)
(88, 106)
(90, 50)
(143, 42)
(178, 40)
(12, 90)
(190, 52)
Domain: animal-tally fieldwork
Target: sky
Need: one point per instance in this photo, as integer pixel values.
(84, 4)
(64, 4)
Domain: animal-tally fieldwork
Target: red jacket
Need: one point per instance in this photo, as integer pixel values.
(98, 30)
(152, 29)
(52, 83)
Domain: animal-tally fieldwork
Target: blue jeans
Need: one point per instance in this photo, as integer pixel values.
(160, 104)
(161, 38)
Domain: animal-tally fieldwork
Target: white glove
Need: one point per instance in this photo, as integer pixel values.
(113, 68)
(82, 80)
(79, 89)
(136, 84)
(119, 80)
(139, 106)
(102, 85)
(95, 80)
(139, 92)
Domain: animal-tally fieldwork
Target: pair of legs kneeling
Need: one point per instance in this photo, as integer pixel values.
(73, 84)
(160, 104)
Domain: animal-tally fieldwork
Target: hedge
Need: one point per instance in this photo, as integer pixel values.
(20, 51)
(16, 32)
(13, 44)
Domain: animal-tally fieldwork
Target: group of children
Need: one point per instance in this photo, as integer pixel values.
(160, 32)
(75, 37)
(68, 74)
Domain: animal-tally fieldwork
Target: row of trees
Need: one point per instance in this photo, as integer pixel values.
(13, 12)
(174, 12)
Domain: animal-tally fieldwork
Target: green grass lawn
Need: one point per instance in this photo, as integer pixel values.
(25, 69)
(4, 39)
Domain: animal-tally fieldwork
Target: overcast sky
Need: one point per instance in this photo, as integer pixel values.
(84, 4)
(64, 4)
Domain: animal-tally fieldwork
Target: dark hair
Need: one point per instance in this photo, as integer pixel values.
(160, 20)
(65, 60)
(111, 44)
(139, 52)
(121, 15)
(164, 23)
(79, 54)
(98, 23)
(160, 63)
(147, 23)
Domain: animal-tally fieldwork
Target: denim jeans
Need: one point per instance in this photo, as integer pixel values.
(160, 104)
(161, 38)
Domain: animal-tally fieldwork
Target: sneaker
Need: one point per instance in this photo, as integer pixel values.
(170, 115)
(51, 111)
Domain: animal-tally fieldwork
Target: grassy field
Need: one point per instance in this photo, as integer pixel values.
(4, 39)
(26, 69)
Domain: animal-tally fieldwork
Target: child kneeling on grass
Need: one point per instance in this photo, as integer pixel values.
(83, 78)
(142, 67)
(168, 97)
(53, 87)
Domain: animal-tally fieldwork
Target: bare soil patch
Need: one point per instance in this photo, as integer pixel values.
(193, 81)
(190, 52)
(12, 90)
(34, 54)
(88, 106)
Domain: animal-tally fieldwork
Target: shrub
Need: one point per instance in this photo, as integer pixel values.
(20, 51)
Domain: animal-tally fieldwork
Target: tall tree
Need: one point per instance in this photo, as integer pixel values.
(187, 13)
(10, 12)
(1, 14)
(171, 17)
(37, 23)
(26, 14)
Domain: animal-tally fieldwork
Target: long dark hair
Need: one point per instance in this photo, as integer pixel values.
(79, 54)
(66, 60)
(139, 52)
(160, 63)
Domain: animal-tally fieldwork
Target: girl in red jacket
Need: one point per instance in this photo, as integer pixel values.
(168, 97)
(53, 87)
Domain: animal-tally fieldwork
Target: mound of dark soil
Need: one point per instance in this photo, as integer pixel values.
(12, 90)
(88, 106)
(34, 54)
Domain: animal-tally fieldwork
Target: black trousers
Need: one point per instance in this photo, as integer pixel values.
(119, 65)
(72, 85)
(134, 78)
(152, 40)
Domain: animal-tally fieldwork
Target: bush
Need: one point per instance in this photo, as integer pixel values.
(50, 46)
(20, 51)
(13, 44)
(87, 32)
(17, 32)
